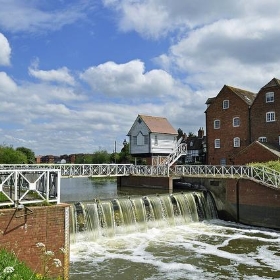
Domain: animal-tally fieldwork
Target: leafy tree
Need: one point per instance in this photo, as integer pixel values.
(124, 155)
(8, 155)
(101, 156)
(84, 158)
(180, 133)
(29, 154)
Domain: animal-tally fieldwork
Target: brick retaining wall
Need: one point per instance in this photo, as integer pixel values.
(21, 230)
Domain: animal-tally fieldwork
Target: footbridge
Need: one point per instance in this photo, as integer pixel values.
(26, 184)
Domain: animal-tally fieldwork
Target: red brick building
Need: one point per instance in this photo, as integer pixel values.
(265, 115)
(236, 119)
(227, 124)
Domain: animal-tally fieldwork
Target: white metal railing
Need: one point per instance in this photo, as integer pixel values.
(78, 170)
(27, 186)
(264, 175)
(180, 150)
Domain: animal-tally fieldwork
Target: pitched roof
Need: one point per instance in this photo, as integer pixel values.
(157, 124)
(245, 95)
(273, 83)
(264, 145)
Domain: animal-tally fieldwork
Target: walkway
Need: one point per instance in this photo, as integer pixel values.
(26, 184)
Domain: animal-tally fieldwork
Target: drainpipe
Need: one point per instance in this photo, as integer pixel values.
(237, 200)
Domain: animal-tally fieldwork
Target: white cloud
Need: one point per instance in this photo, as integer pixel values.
(61, 75)
(7, 85)
(130, 81)
(5, 50)
(31, 16)
(157, 18)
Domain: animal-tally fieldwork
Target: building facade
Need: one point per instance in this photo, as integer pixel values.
(236, 119)
(227, 124)
(265, 115)
(151, 137)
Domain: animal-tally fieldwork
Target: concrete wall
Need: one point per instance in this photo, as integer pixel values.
(21, 230)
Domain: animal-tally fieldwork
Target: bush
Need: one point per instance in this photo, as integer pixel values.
(275, 165)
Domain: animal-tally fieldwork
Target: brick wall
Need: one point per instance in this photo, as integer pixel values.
(261, 128)
(21, 230)
(226, 133)
(255, 152)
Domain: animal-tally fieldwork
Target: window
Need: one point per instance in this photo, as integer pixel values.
(262, 139)
(217, 143)
(140, 139)
(236, 142)
(225, 104)
(156, 140)
(270, 116)
(269, 96)
(236, 122)
(216, 124)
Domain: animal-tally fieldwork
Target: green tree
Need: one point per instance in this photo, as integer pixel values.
(124, 155)
(8, 155)
(29, 154)
(101, 156)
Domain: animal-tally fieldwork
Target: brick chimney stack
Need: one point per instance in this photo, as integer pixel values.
(200, 133)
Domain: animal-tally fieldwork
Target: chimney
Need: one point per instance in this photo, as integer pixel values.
(200, 133)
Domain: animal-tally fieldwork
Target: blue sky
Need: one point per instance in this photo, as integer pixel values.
(74, 74)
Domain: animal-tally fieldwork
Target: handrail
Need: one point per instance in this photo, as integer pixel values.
(263, 175)
(28, 186)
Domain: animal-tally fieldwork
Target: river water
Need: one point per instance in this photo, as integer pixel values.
(209, 249)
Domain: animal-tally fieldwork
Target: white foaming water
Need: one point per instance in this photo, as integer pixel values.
(199, 250)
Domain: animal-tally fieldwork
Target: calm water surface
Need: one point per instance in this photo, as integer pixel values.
(203, 250)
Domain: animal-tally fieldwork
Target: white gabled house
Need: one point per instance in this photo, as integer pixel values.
(152, 138)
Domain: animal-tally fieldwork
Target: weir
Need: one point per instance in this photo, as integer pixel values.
(107, 218)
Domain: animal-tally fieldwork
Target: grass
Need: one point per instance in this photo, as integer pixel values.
(13, 269)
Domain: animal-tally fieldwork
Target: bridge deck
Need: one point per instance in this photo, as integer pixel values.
(23, 184)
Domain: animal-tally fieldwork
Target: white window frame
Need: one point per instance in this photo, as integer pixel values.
(236, 122)
(217, 124)
(225, 104)
(236, 142)
(269, 97)
(217, 143)
(262, 139)
(270, 116)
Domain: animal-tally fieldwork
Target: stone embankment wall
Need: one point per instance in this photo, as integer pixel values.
(37, 236)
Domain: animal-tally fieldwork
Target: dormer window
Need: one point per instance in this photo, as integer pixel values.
(269, 97)
(225, 104)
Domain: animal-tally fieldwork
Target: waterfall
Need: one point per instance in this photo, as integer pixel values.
(129, 214)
